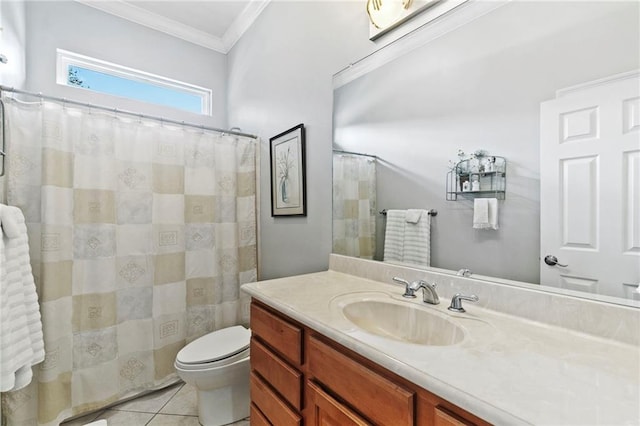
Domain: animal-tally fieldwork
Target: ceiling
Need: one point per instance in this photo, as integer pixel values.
(214, 24)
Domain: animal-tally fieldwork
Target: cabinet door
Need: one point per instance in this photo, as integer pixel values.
(383, 401)
(434, 411)
(444, 417)
(326, 411)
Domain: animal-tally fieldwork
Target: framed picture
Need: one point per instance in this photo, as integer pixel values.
(288, 190)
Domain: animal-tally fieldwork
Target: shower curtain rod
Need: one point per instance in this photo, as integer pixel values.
(339, 151)
(125, 112)
(3, 147)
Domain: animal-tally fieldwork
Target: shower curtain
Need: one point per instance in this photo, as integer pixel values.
(141, 235)
(354, 205)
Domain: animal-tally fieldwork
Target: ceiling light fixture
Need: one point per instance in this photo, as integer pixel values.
(384, 13)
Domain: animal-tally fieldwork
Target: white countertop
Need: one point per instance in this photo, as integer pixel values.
(507, 370)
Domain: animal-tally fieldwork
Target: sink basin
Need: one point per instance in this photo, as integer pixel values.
(403, 322)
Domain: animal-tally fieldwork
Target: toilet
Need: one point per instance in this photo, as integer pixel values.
(217, 364)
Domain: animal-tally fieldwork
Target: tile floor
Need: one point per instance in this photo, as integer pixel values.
(172, 406)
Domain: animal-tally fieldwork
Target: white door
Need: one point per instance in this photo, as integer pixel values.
(590, 187)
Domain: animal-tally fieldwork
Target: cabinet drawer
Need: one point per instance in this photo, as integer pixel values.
(282, 377)
(283, 337)
(256, 416)
(376, 397)
(274, 409)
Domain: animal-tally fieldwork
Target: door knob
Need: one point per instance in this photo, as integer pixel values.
(551, 260)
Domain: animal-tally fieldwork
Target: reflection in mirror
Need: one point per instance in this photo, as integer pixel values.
(354, 204)
(481, 87)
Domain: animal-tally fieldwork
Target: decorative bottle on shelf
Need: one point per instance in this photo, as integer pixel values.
(475, 184)
(465, 186)
(491, 164)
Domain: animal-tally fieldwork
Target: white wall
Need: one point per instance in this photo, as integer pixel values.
(423, 109)
(12, 43)
(480, 87)
(82, 29)
(280, 75)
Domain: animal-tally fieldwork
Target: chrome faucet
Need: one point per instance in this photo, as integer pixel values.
(456, 302)
(464, 272)
(429, 294)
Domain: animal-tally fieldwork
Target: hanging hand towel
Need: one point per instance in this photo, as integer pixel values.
(485, 213)
(21, 342)
(8, 222)
(394, 235)
(417, 240)
(413, 215)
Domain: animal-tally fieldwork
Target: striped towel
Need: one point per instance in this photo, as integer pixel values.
(21, 341)
(394, 236)
(417, 241)
(408, 241)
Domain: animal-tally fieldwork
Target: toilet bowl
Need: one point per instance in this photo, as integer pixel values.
(217, 364)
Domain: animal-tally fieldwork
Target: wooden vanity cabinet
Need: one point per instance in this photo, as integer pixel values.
(276, 368)
(435, 411)
(324, 410)
(299, 376)
(379, 399)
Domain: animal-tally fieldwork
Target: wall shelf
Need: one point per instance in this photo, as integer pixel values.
(478, 177)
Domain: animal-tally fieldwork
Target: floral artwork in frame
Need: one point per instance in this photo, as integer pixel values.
(288, 192)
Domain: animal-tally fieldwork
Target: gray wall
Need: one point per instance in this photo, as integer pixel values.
(480, 87)
(82, 29)
(12, 43)
(280, 75)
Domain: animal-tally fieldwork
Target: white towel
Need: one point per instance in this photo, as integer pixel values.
(394, 236)
(405, 241)
(485, 213)
(417, 241)
(9, 222)
(413, 215)
(21, 342)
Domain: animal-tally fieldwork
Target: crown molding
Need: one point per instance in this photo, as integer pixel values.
(243, 22)
(166, 25)
(599, 82)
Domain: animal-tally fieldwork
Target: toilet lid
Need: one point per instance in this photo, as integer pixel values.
(215, 346)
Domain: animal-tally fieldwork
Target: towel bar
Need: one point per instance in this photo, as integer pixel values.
(432, 212)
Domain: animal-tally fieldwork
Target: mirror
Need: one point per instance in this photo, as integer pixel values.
(479, 87)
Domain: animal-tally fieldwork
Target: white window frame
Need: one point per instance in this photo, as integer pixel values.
(65, 58)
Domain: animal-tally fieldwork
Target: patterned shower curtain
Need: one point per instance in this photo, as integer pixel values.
(141, 235)
(354, 205)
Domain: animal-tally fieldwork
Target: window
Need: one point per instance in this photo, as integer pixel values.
(104, 77)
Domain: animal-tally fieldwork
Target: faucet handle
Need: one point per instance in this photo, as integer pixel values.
(400, 280)
(456, 302)
(409, 288)
(464, 272)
